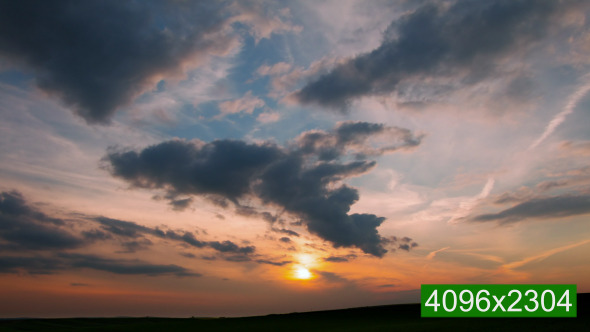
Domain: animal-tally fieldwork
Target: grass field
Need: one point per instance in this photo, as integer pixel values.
(405, 317)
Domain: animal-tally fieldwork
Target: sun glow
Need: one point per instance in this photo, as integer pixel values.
(302, 273)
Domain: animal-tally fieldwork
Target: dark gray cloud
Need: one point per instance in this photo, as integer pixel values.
(285, 231)
(130, 229)
(28, 231)
(67, 261)
(265, 261)
(339, 259)
(135, 245)
(123, 228)
(353, 137)
(99, 55)
(119, 266)
(23, 227)
(181, 204)
(228, 246)
(404, 243)
(298, 179)
(466, 40)
(223, 167)
(32, 265)
(549, 207)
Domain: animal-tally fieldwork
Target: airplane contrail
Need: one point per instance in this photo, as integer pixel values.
(572, 102)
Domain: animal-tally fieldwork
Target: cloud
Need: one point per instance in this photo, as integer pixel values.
(228, 246)
(133, 230)
(223, 167)
(285, 231)
(353, 137)
(119, 266)
(98, 56)
(432, 254)
(542, 256)
(276, 69)
(285, 79)
(466, 205)
(268, 117)
(548, 207)
(135, 245)
(180, 204)
(339, 259)
(263, 18)
(238, 258)
(403, 243)
(466, 40)
(122, 228)
(331, 277)
(67, 261)
(33, 265)
(299, 179)
(281, 263)
(25, 228)
(246, 104)
(572, 102)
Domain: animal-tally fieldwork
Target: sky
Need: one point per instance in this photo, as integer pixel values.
(230, 158)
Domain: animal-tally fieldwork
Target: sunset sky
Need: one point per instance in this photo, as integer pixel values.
(228, 158)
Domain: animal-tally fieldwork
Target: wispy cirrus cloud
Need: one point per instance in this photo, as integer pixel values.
(543, 208)
(571, 104)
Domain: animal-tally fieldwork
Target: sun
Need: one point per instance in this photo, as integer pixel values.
(302, 273)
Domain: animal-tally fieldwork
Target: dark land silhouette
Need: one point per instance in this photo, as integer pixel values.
(401, 317)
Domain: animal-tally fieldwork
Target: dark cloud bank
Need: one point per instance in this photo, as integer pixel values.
(466, 41)
(302, 179)
(41, 244)
(99, 55)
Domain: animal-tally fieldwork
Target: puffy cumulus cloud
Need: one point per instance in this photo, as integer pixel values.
(543, 208)
(224, 167)
(301, 179)
(97, 56)
(466, 41)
